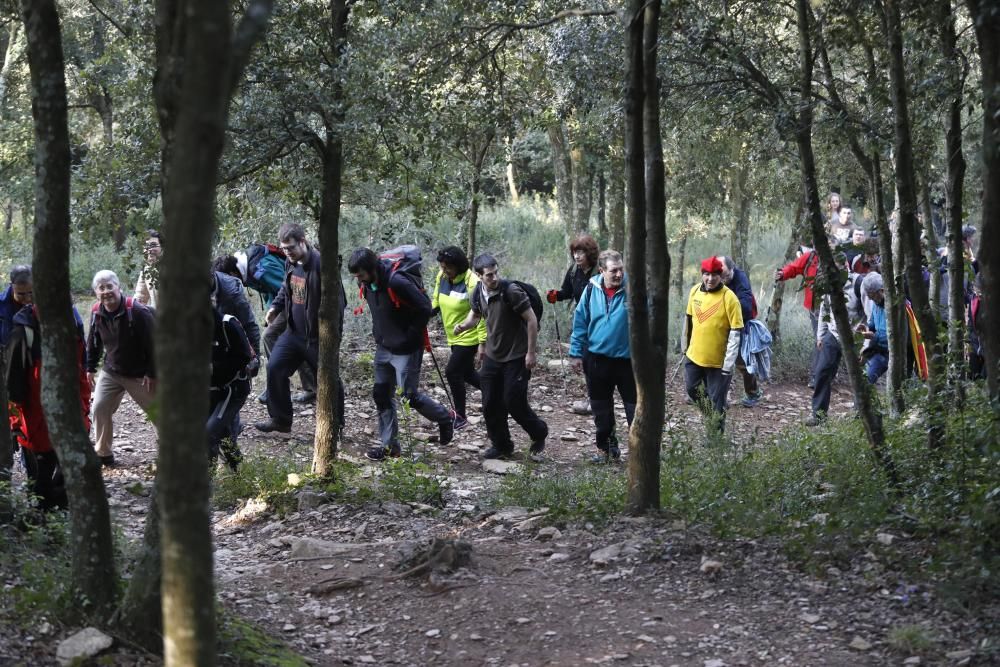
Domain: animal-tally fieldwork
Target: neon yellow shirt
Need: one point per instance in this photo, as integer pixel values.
(454, 300)
(713, 314)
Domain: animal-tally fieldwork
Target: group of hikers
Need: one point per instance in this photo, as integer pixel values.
(491, 325)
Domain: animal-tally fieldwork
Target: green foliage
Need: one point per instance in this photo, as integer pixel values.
(41, 555)
(86, 259)
(242, 643)
(407, 481)
(260, 478)
(910, 640)
(595, 494)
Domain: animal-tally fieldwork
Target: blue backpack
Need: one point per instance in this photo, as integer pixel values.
(265, 270)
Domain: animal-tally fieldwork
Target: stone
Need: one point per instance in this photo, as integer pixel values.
(310, 547)
(548, 533)
(646, 638)
(715, 662)
(913, 660)
(310, 500)
(569, 437)
(474, 420)
(432, 633)
(860, 644)
(559, 557)
(710, 566)
(606, 554)
(83, 645)
(400, 510)
(558, 363)
(523, 620)
(498, 467)
(465, 447)
(958, 655)
(885, 539)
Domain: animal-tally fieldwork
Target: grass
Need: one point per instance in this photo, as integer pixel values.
(241, 643)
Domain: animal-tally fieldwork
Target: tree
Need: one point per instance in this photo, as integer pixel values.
(648, 260)
(93, 568)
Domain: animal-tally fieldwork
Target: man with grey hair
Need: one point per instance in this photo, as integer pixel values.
(121, 330)
(875, 331)
(18, 294)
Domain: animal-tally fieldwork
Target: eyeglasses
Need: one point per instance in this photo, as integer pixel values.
(286, 248)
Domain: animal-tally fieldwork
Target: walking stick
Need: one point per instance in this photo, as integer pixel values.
(444, 384)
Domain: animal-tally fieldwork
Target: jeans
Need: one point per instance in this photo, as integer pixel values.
(461, 369)
(878, 364)
(271, 334)
(288, 354)
(401, 370)
(224, 418)
(505, 392)
(709, 384)
(604, 375)
(827, 363)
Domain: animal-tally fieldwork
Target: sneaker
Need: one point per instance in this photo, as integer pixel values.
(262, 397)
(460, 422)
(811, 384)
(108, 461)
(537, 447)
(271, 425)
(494, 453)
(446, 430)
(581, 408)
(304, 397)
(380, 453)
(751, 401)
(812, 420)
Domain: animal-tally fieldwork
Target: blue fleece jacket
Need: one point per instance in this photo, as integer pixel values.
(600, 325)
(877, 324)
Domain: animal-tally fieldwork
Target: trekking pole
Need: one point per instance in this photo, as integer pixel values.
(562, 361)
(677, 369)
(441, 376)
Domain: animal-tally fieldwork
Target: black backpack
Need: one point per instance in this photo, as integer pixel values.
(534, 298)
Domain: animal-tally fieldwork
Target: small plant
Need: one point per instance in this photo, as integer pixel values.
(910, 640)
(595, 494)
(258, 478)
(410, 482)
(241, 643)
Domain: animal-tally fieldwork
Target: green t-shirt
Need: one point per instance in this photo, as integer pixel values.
(454, 300)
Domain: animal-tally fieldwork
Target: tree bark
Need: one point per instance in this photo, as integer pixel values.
(6, 450)
(140, 616)
(562, 172)
(580, 176)
(772, 319)
(930, 255)
(648, 259)
(93, 567)
(616, 200)
(832, 277)
(740, 237)
(515, 197)
(330, 308)
(907, 227)
(986, 17)
(602, 217)
(479, 153)
(11, 53)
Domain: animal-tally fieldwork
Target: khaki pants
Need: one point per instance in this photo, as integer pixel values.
(107, 397)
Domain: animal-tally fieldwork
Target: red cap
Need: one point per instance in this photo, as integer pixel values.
(711, 265)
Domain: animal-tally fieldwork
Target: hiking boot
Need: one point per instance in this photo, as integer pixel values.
(581, 408)
(380, 453)
(446, 430)
(494, 453)
(537, 447)
(811, 384)
(751, 401)
(460, 422)
(108, 461)
(304, 397)
(614, 453)
(812, 421)
(262, 397)
(271, 425)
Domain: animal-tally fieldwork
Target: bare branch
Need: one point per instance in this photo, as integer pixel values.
(121, 28)
(249, 31)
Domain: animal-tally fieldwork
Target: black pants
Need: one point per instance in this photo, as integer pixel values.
(271, 334)
(461, 369)
(223, 426)
(604, 375)
(505, 392)
(709, 384)
(814, 358)
(290, 353)
(46, 478)
(750, 385)
(827, 362)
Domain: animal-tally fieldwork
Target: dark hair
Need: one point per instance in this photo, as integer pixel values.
(227, 264)
(454, 256)
(362, 259)
(20, 274)
(291, 231)
(153, 234)
(588, 245)
(483, 262)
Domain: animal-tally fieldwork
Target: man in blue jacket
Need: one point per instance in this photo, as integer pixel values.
(738, 281)
(400, 310)
(600, 346)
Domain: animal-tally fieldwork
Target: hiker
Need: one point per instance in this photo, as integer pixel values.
(121, 330)
(737, 280)
(827, 361)
(149, 276)
(712, 342)
(842, 230)
(27, 419)
(297, 303)
(400, 311)
(228, 295)
(232, 357)
(18, 294)
(453, 288)
(833, 209)
(805, 265)
(599, 346)
(876, 351)
(510, 356)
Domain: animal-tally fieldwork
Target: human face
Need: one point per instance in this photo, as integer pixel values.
(878, 296)
(109, 294)
(727, 273)
(152, 250)
(491, 277)
(613, 273)
(23, 293)
(711, 280)
(845, 215)
(363, 277)
(580, 257)
(858, 237)
(295, 250)
(450, 271)
(834, 202)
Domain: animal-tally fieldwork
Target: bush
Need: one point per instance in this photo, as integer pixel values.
(268, 479)
(595, 494)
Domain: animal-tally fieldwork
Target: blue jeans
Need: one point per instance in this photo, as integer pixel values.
(878, 364)
(401, 370)
(290, 352)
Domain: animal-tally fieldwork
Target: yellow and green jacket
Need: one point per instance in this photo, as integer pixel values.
(454, 302)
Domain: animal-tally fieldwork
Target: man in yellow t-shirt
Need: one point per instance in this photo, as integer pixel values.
(712, 336)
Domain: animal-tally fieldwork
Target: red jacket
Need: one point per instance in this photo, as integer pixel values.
(805, 265)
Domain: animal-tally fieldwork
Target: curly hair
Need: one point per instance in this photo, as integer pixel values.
(588, 245)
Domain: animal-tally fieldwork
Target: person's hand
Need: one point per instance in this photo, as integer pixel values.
(868, 335)
(459, 328)
(270, 315)
(552, 296)
(92, 379)
(819, 344)
(479, 359)
(253, 367)
(778, 275)
(860, 328)
(530, 360)
(576, 363)
(149, 384)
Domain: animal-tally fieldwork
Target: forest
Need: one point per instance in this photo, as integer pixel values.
(829, 167)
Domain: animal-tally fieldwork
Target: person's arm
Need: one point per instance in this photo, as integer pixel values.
(735, 314)
(578, 339)
(823, 320)
(744, 293)
(793, 268)
(95, 346)
(239, 343)
(471, 320)
(142, 288)
(147, 330)
(529, 317)
(248, 323)
(566, 291)
(277, 305)
(16, 377)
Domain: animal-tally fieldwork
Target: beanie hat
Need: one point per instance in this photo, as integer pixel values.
(711, 265)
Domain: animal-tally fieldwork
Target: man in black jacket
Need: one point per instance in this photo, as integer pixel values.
(400, 310)
(232, 357)
(298, 299)
(122, 330)
(738, 281)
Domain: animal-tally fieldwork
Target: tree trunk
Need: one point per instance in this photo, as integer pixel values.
(908, 234)
(580, 175)
(11, 53)
(515, 197)
(616, 200)
(740, 238)
(986, 17)
(954, 189)
(602, 218)
(679, 284)
(93, 571)
(832, 277)
(330, 308)
(140, 616)
(6, 450)
(931, 255)
(562, 172)
(648, 259)
(479, 152)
